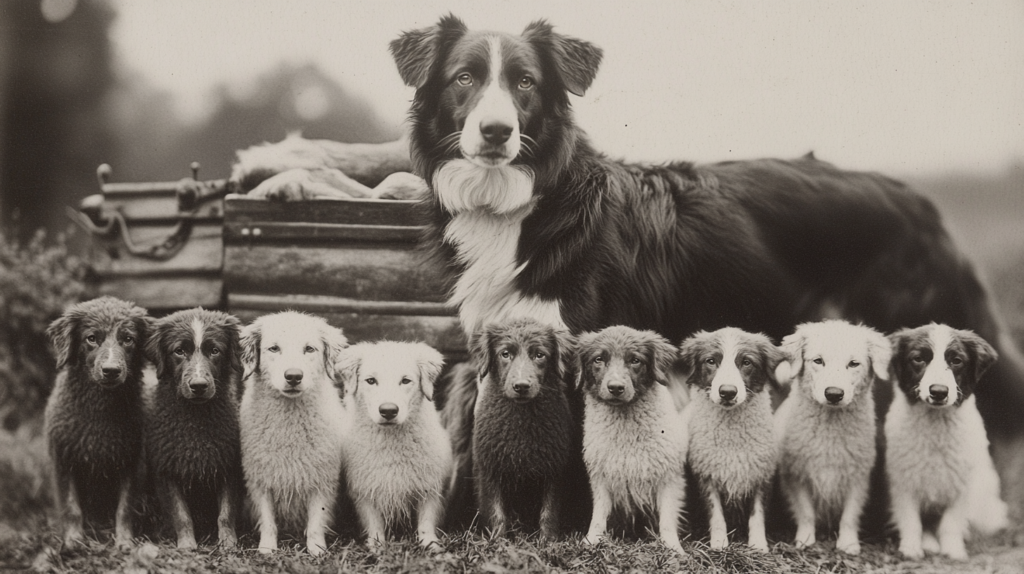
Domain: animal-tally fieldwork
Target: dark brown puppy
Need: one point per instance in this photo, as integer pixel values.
(93, 420)
(523, 432)
(192, 438)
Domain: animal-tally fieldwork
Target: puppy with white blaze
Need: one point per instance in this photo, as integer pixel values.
(826, 426)
(634, 439)
(732, 448)
(292, 423)
(937, 456)
(399, 456)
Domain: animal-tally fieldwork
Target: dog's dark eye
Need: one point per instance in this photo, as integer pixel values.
(273, 348)
(818, 361)
(540, 356)
(746, 362)
(526, 83)
(405, 381)
(918, 360)
(853, 364)
(91, 339)
(634, 361)
(309, 349)
(128, 339)
(214, 351)
(598, 360)
(464, 79)
(371, 381)
(505, 354)
(180, 351)
(710, 361)
(956, 361)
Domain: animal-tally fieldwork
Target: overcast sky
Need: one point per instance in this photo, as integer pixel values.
(907, 87)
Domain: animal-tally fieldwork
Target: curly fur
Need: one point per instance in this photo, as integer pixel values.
(634, 439)
(93, 419)
(292, 444)
(192, 439)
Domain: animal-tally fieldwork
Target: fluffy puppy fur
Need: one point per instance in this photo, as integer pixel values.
(292, 424)
(524, 431)
(399, 454)
(634, 439)
(92, 420)
(732, 448)
(937, 456)
(191, 423)
(826, 426)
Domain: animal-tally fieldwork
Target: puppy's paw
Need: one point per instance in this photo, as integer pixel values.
(431, 544)
(73, 538)
(123, 542)
(759, 545)
(850, 545)
(719, 541)
(401, 185)
(804, 538)
(911, 551)
(228, 540)
(316, 545)
(290, 185)
(929, 543)
(187, 543)
(266, 550)
(955, 549)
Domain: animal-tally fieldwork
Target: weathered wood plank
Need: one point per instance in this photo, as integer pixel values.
(329, 304)
(384, 272)
(175, 292)
(257, 231)
(204, 251)
(245, 211)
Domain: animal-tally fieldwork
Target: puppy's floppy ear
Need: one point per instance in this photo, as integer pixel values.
(880, 353)
(793, 363)
(232, 328)
(689, 354)
(577, 61)
(429, 362)
(481, 351)
(251, 340)
(981, 351)
(661, 355)
(334, 342)
(565, 345)
(61, 333)
(585, 344)
(773, 358)
(416, 51)
(346, 369)
(153, 347)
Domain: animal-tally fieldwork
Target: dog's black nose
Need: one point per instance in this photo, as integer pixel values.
(938, 392)
(495, 132)
(293, 377)
(834, 394)
(521, 388)
(111, 372)
(198, 388)
(728, 392)
(389, 411)
(616, 389)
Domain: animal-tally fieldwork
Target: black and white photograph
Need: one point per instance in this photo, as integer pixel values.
(511, 286)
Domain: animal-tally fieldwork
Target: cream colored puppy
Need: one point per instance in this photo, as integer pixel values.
(291, 423)
(826, 426)
(399, 454)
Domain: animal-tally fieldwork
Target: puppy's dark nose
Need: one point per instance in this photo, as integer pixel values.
(521, 388)
(938, 392)
(616, 389)
(727, 392)
(293, 377)
(111, 372)
(198, 388)
(834, 394)
(389, 411)
(495, 132)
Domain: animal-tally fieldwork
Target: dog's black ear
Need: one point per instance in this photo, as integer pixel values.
(416, 51)
(983, 354)
(334, 343)
(232, 328)
(577, 61)
(565, 346)
(793, 364)
(153, 347)
(586, 345)
(772, 356)
(880, 353)
(250, 340)
(61, 333)
(660, 355)
(346, 369)
(899, 343)
(689, 354)
(481, 351)
(429, 362)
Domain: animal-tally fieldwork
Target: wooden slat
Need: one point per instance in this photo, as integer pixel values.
(204, 251)
(385, 272)
(337, 305)
(176, 292)
(246, 211)
(257, 231)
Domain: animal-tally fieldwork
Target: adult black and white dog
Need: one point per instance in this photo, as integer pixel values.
(532, 221)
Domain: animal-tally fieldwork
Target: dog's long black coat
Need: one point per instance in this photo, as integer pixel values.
(760, 245)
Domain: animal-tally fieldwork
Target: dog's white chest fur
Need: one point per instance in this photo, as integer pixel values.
(490, 206)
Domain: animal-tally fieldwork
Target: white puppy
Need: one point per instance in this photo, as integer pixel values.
(291, 424)
(937, 456)
(826, 427)
(399, 454)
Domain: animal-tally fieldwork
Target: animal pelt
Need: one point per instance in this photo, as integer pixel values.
(93, 418)
(524, 434)
(191, 425)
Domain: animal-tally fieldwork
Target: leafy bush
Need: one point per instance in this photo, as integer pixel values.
(37, 280)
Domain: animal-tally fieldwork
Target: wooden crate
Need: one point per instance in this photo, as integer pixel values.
(354, 262)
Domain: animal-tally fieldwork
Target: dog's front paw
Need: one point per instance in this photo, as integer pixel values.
(431, 544)
(228, 540)
(929, 543)
(954, 549)
(804, 538)
(719, 541)
(401, 185)
(761, 545)
(187, 543)
(593, 538)
(316, 545)
(849, 545)
(912, 551)
(73, 538)
(290, 185)
(124, 542)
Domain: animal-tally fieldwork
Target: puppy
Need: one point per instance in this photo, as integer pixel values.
(523, 431)
(937, 456)
(826, 426)
(399, 457)
(93, 419)
(292, 424)
(191, 422)
(732, 448)
(634, 439)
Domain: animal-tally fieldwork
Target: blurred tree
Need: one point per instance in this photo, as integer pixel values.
(55, 72)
